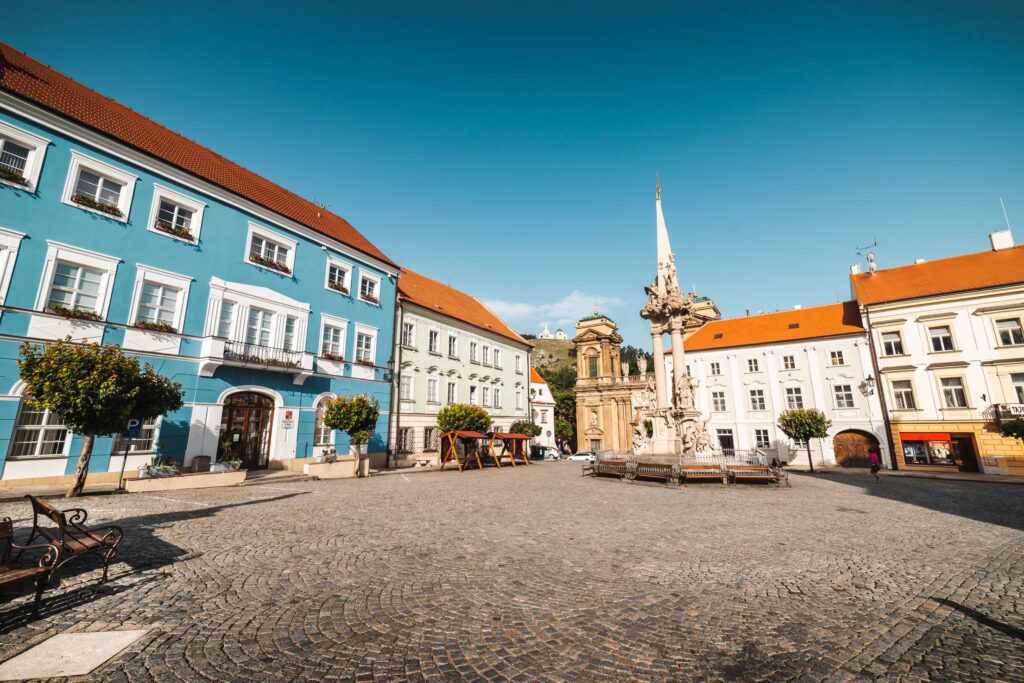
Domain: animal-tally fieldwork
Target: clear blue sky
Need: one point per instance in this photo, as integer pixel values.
(510, 148)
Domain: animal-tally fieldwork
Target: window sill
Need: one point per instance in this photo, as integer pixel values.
(895, 355)
(285, 273)
(123, 218)
(27, 187)
(434, 353)
(194, 241)
(370, 302)
(406, 347)
(1009, 346)
(32, 458)
(939, 353)
(450, 357)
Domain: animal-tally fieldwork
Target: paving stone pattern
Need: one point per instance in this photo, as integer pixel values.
(539, 574)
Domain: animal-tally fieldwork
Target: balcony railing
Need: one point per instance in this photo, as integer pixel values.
(262, 355)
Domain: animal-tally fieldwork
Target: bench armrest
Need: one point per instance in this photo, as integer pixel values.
(51, 551)
(76, 515)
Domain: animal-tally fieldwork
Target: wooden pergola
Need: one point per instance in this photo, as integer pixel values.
(512, 446)
(470, 447)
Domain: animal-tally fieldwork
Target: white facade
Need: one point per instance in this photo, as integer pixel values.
(542, 408)
(741, 391)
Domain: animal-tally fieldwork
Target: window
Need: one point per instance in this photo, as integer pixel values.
(432, 341)
(146, 443)
(158, 304)
(844, 395)
(21, 157)
(405, 440)
(725, 441)
(257, 328)
(332, 342)
(1010, 332)
(497, 358)
(432, 395)
(761, 438)
(752, 365)
(453, 346)
(264, 252)
(592, 366)
(595, 445)
(836, 358)
(365, 347)
(1017, 379)
(172, 214)
(322, 434)
(472, 352)
(430, 439)
(800, 444)
(98, 187)
(337, 276)
(953, 393)
(472, 395)
(543, 417)
(718, 401)
(716, 369)
(452, 395)
(757, 399)
(794, 398)
(10, 244)
(224, 320)
(37, 433)
(485, 395)
(486, 355)
(408, 334)
(159, 299)
(497, 397)
(519, 363)
(941, 338)
(405, 387)
(369, 288)
(892, 344)
(519, 398)
(903, 395)
(75, 287)
(789, 362)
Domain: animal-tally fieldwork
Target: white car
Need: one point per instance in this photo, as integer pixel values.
(583, 456)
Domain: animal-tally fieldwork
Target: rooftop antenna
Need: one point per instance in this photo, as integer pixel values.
(860, 250)
(1005, 217)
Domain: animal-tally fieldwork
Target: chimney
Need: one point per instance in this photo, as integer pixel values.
(855, 269)
(919, 261)
(1001, 239)
(797, 307)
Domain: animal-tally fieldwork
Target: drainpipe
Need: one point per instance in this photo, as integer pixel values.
(881, 392)
(393, 414)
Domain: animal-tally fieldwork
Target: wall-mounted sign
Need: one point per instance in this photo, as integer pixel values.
(288, 421)
(1010, 411)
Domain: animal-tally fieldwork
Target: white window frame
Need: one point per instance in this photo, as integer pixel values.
(57, 251)
(401, 338)
(473, 355)
(245, 297)
(270, 236)
(963, 388)
(432, 334)
(519, 363)
(127, 180)
(794, 396)
(452, 391)
(719, 404)
(433, 389)
(406, 386)
(835, 396)
(715, 368)
(898, 340)
(760, 399)
(791, 357)
(453, 345)
(758, 432)
(474, 393)
(372, 333)
(165, 278)
(37, 151)
(1017, 384)
(496, 357)
(10, 243)
(753, 365)
(320, 403)
(332, 321)
(834, 356)
(68, 437)
(485, 355)
(194, 205)
(896, 393)
(519, 398)
(346, 281)
(496, 397)
(932, 338)
(999, 340)
(363, 275)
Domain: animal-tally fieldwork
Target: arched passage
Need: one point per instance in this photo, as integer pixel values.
(853, 448)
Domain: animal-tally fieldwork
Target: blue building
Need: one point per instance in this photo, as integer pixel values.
(117, 230)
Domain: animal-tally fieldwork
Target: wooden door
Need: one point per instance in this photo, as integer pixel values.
(245, 430)
(853, 449)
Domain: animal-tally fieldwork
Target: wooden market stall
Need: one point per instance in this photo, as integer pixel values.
(470, 442)
(512, 446)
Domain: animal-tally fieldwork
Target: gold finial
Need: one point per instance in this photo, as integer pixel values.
(657, 187)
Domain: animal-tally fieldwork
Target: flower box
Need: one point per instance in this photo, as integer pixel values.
(270, 263)
(12, 176)
(338, 287)
(197, 480)
(155, 327)
(365, 361)
(104, 207)
(183, 233)
(337, 357)
(370, 299)
(342, 468)
(73, 313)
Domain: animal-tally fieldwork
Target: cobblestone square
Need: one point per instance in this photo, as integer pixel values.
(539, 574)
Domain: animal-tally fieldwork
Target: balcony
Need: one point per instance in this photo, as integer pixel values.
(217, 352)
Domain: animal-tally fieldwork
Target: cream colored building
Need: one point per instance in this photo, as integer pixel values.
(949, 340)
(542, 410)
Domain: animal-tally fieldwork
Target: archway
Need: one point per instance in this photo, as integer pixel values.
(853, 448)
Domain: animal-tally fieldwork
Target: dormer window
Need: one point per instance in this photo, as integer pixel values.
(175, 215)
(98, 187)
(21, 157)
(269, 250)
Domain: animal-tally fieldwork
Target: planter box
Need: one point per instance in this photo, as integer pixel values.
(345, 468)
(198, 480)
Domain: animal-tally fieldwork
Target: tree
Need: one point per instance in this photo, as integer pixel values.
(804, 425)
(93, 390)
(355, 415)
(1013, 429)
(559, 378)
(631, 354)
(463, 417)
(526, 427)
(564, 430)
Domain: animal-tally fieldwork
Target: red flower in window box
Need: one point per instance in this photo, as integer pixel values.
(270, 263)
(73, 313)
(155, 327)
(166, 226)
(13, 175)
(327, 355)
(370, 298)
(105, 207)
(338, 287)
(365, 361)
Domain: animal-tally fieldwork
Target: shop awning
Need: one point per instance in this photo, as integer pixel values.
(924, 436)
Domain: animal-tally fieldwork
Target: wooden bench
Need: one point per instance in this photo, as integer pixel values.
(697, 472)
(614, 467)
(751, 473)
(587, 469)
(70, 535)
(666, 472)
(39, 573)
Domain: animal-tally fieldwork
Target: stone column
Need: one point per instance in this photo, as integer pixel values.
(659, 368)
(678, 356)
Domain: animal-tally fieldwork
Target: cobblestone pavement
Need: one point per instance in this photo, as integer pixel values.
(536, 573)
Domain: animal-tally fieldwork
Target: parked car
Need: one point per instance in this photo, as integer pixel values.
(543, 453)
(583, 456)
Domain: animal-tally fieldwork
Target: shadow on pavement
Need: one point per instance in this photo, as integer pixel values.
(983, 619)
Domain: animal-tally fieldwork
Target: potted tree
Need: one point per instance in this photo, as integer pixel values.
(357, 416)
(804, 425)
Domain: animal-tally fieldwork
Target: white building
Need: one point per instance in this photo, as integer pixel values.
(560, 335)
(949, 338)
(542, 406)
(749, 370)
(450, 349)
(545, 333)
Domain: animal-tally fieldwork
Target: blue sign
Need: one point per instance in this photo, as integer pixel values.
(133, 430)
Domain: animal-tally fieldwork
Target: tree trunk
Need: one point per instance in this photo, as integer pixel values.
(82, 468)
(810, 461)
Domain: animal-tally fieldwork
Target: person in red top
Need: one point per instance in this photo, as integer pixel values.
(876, 465)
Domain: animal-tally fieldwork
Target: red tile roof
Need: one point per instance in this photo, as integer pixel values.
(535, 377)
(768, 328)
(435, 296)
(31, 80)
(954, 274)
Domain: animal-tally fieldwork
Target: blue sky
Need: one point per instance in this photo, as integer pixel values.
(510, 148)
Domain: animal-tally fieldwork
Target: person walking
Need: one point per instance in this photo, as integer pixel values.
(876, 466)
